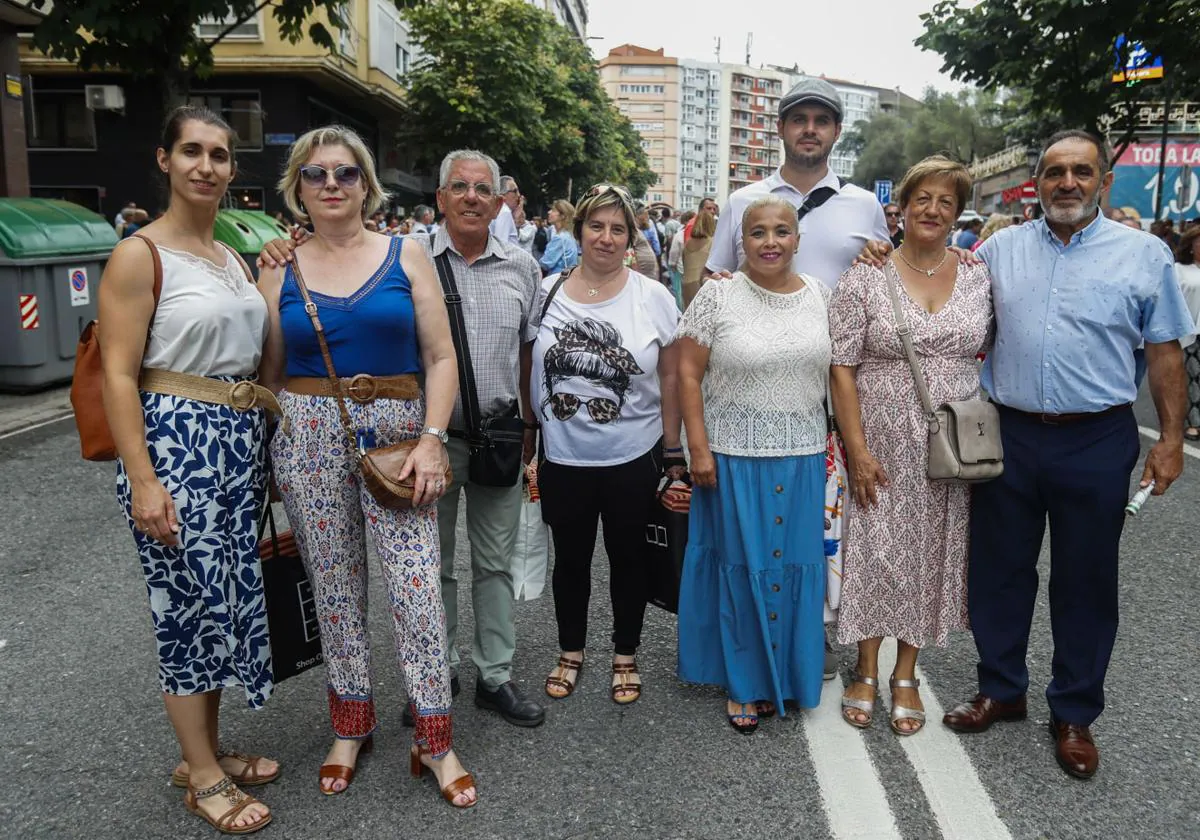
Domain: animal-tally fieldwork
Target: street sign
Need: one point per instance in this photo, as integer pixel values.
(883, 191)
(1139, 66)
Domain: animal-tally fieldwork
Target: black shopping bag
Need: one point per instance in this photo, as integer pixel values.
(291, 610)
(666, 541)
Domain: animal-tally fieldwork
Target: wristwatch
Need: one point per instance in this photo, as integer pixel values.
(440, 434)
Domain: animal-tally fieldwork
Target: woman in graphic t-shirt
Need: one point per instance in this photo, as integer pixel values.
(604, 390)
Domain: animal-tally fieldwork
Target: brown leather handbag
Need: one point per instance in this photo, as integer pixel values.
(87, 384)
(380, 465)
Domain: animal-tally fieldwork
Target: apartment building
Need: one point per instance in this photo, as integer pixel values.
(91, 136)
(749, 116)
(699, 132)
(644, 85)
(572, 14)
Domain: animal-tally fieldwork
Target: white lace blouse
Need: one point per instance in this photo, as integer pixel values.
(767, 367)
(210, 320)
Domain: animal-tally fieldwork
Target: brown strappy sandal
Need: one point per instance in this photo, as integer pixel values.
(626, 678)
(249, 777)
(462, 783)
(238, 801)
(567, 687)
(341, 771)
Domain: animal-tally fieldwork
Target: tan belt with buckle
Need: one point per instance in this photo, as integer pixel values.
(240, 396)
(362, 388)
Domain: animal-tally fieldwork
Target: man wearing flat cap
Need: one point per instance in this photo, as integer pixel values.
(837, 218)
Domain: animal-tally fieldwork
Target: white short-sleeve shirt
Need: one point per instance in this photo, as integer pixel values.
(831, 235)
(595, 386)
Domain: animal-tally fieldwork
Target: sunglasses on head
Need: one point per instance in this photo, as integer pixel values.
(346, 175)
(600, 189)
(460, 188)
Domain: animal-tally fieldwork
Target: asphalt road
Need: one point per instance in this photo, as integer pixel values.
(87, 749)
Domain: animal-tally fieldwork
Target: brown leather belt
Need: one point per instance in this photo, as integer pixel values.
(362, 388)
(240, 396)
(1063, 419)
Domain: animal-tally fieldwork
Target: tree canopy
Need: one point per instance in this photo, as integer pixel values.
(502, 76)
(140, 38)
(964, 125)
(1063, 54)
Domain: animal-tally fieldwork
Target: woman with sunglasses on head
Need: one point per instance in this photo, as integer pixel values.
(754, 357)
(562, 251)
(384, 323)
(604, 388)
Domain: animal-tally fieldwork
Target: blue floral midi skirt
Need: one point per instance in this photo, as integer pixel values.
(206, 593)
(750, 601)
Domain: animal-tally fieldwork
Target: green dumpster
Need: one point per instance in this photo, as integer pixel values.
(52, 254)
(247, 231)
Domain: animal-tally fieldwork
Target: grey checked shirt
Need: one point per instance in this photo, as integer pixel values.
(500, 295)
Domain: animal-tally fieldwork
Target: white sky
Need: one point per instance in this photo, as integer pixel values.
(866, 41)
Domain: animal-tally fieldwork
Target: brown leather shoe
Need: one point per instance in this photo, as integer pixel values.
(1075, 750)
(981, 712)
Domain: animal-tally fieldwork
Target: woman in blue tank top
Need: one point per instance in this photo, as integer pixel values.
(385, 323)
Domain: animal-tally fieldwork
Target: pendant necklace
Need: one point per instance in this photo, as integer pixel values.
(928, 272)
(595, 290)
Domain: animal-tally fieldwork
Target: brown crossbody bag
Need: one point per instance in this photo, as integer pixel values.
(380, 465)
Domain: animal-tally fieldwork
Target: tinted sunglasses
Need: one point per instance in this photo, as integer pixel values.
(346, 175)
(601, 409)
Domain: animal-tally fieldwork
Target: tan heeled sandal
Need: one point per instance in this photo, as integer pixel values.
(900, 713)
(867, 707)
(342, 771)
(249, 777)
(626, 680)
(462, 783)
(238, 801)
(566, 686)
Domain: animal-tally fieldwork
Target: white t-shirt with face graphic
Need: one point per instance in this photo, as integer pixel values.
(595, 386)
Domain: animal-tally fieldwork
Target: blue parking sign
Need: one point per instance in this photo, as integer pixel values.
(883, 191)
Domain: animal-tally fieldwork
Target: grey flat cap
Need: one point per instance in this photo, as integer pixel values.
(812, 90)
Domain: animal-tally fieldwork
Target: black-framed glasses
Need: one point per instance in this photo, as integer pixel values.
(460, 188)
(892, 213)
(346, 175)
(601, 409)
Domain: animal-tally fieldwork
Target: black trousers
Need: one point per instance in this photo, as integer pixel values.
(1077, 474)
(574, 500)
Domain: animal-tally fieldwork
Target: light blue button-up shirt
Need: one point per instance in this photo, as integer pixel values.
(1070, 318)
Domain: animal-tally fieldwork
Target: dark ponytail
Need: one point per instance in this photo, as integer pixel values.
(173, 126)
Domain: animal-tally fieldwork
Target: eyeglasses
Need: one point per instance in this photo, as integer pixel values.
(460, 188)
(602, 409)
(892, 213)
(346, 175)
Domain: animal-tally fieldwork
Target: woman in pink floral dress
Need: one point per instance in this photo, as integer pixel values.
(905, 545)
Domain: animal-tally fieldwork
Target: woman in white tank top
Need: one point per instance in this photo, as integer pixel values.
(191, 471)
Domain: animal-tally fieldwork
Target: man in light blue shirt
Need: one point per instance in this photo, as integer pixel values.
(1076, 295)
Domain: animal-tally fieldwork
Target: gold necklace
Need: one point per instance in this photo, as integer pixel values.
(928, 272)
(595, 290)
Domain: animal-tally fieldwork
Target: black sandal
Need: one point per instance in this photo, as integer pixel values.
(744, 728)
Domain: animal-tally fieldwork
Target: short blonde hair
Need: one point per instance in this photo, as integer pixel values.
(995, 222)
(936, 167)
(771, 201)
(602, 197)
(705, 226)
(302, 150)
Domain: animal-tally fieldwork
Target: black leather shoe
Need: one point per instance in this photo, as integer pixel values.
(407, 717)
(510, 703)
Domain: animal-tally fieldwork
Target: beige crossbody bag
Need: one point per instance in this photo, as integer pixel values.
(964, 436)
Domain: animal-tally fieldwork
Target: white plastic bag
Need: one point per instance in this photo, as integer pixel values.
(531, 556)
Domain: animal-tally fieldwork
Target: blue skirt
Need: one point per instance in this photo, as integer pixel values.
(750, 601)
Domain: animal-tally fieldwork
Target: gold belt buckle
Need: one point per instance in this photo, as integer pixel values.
(243, 396)
(358, 383)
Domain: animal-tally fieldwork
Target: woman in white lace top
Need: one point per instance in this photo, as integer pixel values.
(755, 354)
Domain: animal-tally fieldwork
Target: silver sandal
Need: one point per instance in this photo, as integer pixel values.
(866, 706)
(900, 713)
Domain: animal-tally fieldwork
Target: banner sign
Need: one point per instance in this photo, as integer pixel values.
(1135, 181)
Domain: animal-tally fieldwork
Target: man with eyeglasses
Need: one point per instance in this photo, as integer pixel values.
(499, 285)
(503, 227)
(891, 213)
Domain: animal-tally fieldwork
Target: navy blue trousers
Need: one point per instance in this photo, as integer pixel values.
(1077, 475)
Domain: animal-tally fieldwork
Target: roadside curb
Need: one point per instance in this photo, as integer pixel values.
(20, 413)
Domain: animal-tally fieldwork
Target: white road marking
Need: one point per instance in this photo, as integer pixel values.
(961, 805)
(856, 804)
(30, 428)
(3, 644)
(1153, 435)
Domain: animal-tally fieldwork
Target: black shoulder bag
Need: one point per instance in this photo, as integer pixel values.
(495, 444)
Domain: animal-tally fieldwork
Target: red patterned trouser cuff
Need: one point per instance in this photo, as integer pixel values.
(353, 717)
(434, 731)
